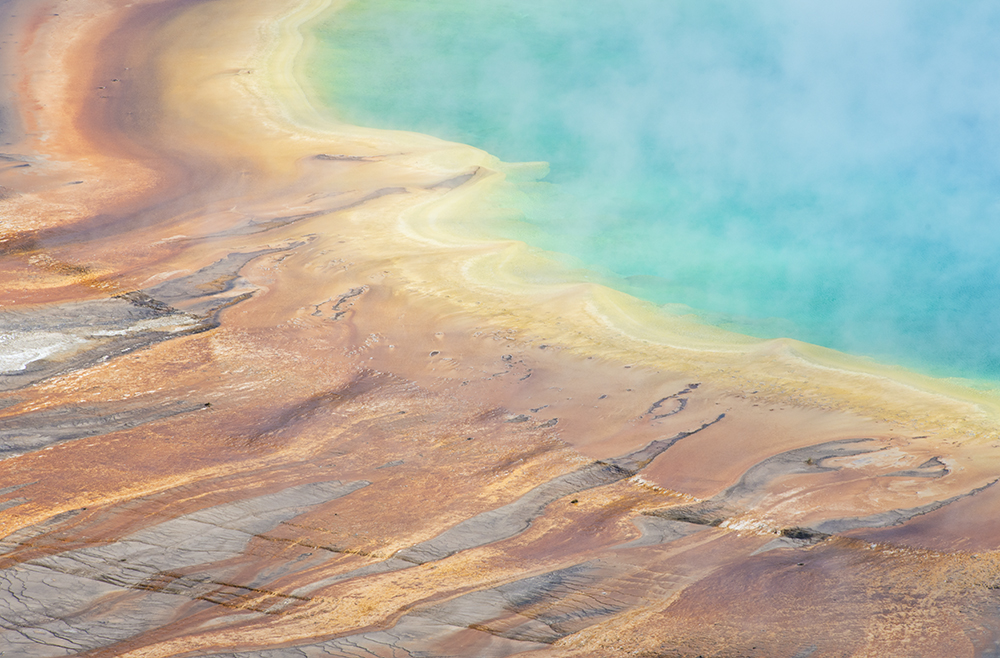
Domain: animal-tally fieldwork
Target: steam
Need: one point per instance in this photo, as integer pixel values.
(825, 170)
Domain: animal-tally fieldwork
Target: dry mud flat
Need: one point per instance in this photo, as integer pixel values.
(252, 405)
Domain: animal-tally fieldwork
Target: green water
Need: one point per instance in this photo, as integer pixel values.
(825, 171)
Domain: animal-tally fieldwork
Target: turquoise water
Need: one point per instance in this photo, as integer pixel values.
(824, 171)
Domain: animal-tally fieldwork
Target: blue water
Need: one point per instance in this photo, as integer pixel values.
(824, 171)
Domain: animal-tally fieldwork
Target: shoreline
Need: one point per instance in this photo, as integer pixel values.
(306, 409)
(537, 268)
(642, 323)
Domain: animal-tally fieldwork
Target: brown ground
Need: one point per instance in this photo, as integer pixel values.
(337, 358)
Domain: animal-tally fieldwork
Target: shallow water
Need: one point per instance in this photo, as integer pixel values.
(828, 172)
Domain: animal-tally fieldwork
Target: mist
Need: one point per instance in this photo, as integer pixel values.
(825, 171)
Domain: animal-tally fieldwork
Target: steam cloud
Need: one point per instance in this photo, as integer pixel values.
(829, 171)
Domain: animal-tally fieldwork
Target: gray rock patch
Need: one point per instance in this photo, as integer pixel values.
(66, 603)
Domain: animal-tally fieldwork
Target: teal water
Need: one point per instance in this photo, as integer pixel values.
(824, 171)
